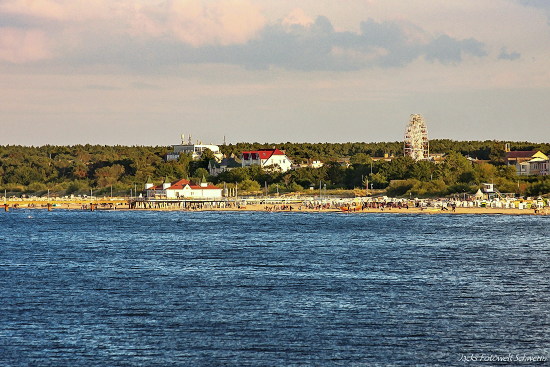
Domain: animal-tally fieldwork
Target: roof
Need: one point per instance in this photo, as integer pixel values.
(231, 162)
(180, 185)
(209, 187)
(264, 153)
(521, 154)
(176, 185)
(537, 159)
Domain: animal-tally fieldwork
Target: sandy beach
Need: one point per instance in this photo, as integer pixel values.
(121, 204)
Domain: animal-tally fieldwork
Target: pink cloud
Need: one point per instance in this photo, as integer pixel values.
(22, 46)
(297, 17)
(37, 8)
(198, 22)
(66, 24)
(195, 22)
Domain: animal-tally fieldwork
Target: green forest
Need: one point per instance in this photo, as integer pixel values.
(81, 169)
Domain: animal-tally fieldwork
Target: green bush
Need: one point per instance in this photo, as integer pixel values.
(35, 187)
(249, 186)
(78, 187)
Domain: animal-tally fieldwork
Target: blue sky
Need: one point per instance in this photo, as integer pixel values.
(144, 72)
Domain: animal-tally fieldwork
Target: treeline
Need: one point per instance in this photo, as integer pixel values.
(484, 150)
(66, 170)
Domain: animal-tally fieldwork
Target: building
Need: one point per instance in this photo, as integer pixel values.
(196, 150)
(182, 189)
(310, 163)
(274, 159)
(530, 162)
(387, 158)
(518, 156)
(226, 164)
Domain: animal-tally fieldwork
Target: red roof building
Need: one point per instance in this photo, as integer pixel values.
(183, 189)
(267, 158)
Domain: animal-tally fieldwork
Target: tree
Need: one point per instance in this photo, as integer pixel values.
(335, 173)
(399, 168)
(200, 173)
(171, 169)
(249, 186)
(109, 175)
(455, 165)
(360, 158)
(423, 170)
(497, 153)
(79, 170)
(379, 180)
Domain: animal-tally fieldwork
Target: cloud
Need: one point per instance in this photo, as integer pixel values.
(319, 47)
(544, 4)
(21, 46)
(193, 22)
(449, 50)
(137, 34)
(297, 17)
(199, 23)
(541, 4)
(505, 55)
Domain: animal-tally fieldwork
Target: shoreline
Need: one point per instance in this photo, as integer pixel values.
(296, 208)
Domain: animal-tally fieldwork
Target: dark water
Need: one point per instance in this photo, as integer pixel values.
(265, 289)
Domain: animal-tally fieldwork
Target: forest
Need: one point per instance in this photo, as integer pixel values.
(102, 170)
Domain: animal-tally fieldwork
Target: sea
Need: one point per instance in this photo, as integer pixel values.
(172, 288)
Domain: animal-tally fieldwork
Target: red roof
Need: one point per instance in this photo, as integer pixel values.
(179, 185)
(262, 153)
(209, 187)
(521, 154)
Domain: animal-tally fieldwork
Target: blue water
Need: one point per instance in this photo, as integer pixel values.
(271, 289)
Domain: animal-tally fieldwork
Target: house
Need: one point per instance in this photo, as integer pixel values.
(519, 156)
(528, 163)
(387, 158)
(196, 150)
(182, 189)
(539, 166)
(226, 164)
(267, 159)
(310, 163)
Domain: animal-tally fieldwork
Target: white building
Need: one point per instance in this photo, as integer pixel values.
(182, 189)
(196, 150)
(529, 162)
(267, 158)
(309, 164)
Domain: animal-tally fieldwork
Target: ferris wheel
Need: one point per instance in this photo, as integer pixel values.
(416, 144)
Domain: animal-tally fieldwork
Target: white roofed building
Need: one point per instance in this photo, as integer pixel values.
(196, 150)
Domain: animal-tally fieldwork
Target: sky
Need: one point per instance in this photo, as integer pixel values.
(143, 72)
